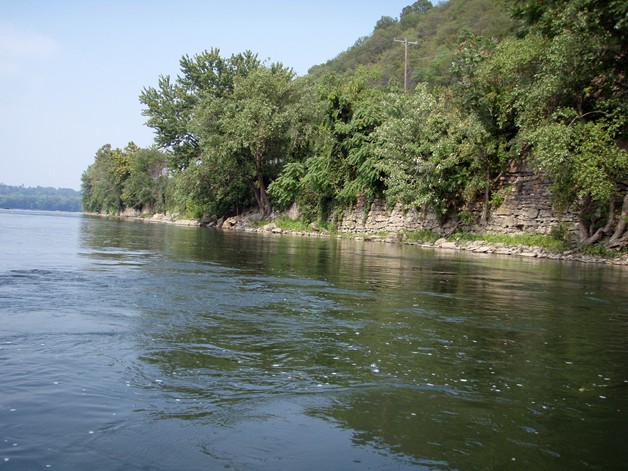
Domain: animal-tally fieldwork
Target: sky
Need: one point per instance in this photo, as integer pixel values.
(71, 71)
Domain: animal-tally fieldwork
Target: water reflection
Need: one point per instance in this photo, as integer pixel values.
(422, 358)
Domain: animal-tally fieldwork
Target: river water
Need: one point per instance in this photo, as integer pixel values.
(129, 345)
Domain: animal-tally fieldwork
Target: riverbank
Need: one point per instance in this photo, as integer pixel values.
(251, 222)
(451, 243)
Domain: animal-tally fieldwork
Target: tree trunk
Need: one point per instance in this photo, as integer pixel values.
(255, 193)
(603, 230)
(623, 220)
(487, 194)
(261, 195)
(585, 220)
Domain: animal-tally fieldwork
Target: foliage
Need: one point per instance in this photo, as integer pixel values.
(572, 113)
(435, 28)
(103, 180)
(600, 251)
(343, 167)
(585, 163)
(295, 225)
(256, 129)
(171, 105)
(129, 177)
(240, 133)
(430, 152)
(40, 198)
(145, 186)
(527, 239)
(286, 187)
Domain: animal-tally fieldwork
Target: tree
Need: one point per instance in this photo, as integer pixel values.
(43, 198)
(572, 115)
(385, 22)
(343, 166)
(104, 182)
(584, 67)
(354, 112)
(420, 7)
(254, 130)
(588, 170)
(145, 186)
(171, 105)
(430, 153)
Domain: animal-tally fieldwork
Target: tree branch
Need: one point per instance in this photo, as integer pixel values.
(580, 116)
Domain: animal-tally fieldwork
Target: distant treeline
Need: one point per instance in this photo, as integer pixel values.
(42, 198)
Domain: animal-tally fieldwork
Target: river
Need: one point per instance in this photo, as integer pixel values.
(129, 345)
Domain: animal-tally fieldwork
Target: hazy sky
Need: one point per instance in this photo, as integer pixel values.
(71, 71)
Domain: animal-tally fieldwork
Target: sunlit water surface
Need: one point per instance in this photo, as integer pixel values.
(140, 346)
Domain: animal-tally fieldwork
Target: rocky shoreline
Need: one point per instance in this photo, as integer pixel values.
(478, 247)
(247, 223)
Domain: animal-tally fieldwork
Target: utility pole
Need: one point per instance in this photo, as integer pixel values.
(405, 43)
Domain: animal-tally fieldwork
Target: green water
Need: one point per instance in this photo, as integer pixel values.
(141, 346)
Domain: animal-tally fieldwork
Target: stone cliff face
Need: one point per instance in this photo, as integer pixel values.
(525, 207)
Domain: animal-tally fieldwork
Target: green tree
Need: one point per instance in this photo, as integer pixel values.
(43, 198)
(145, 186)
(251, 133)
(571, 114)
(418, 7)
(103, 182)
(171, 105)
(589, 170)
(354, 112)
(343, 167)
(431, 153)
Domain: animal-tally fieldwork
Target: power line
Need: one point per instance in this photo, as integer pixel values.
(405, 43)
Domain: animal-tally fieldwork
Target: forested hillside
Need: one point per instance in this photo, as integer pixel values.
(491, 84)
(437, 32)
(43, 198)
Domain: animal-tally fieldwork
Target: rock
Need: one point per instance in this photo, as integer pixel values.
(532, 213)
(394, 238)
(484, 249)
(207, 220)
(230, 223)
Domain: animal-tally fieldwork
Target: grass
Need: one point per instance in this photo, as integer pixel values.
(599, 250)
(535, 240)
(425, 236)
(548, 242)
